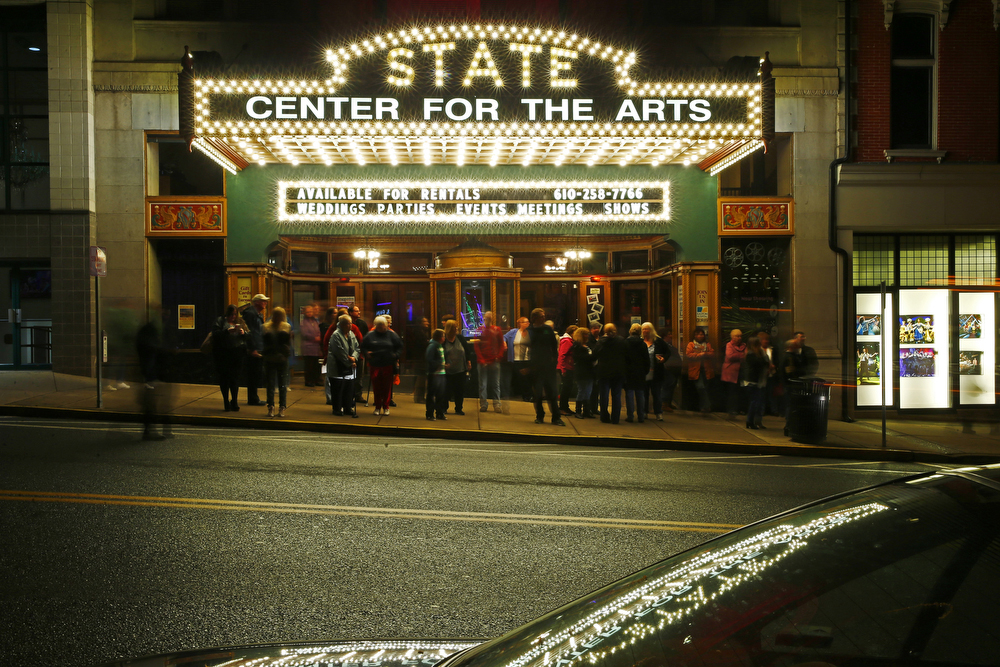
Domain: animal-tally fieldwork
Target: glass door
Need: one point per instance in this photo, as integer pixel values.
(25, 317)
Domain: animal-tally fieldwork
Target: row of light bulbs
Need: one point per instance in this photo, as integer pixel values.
(442, 129)
(737, 155)
(633, 153)
(206, 87)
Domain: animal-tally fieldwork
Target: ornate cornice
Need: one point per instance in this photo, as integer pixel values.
(795, 92)
(130, 88)
(940, 8)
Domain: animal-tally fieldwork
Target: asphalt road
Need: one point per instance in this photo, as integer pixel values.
(112, 547)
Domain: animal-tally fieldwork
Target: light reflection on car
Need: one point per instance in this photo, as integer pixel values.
(901, 573)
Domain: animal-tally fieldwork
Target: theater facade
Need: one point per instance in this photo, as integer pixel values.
(446, 170)
(608, 172)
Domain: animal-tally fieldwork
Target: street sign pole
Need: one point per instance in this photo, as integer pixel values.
(883, 386)
(98, 269)
(99, 355)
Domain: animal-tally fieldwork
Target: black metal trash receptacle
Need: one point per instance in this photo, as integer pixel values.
(808, 410)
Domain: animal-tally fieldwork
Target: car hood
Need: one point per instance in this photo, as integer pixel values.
(374, 653)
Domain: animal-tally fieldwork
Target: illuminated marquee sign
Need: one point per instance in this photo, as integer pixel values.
(472, 201)
(483, 81)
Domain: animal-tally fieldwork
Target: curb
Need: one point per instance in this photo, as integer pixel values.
(342, 428)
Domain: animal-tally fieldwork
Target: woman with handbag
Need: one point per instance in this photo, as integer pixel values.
(229, 348)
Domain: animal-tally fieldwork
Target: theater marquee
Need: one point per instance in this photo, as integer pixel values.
(477, 94)
(391, 202)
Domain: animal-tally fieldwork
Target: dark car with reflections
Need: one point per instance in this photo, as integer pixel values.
(904, 573)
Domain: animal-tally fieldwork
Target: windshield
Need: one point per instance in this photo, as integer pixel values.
(899, 571)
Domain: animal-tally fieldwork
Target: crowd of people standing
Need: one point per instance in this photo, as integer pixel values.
(583, 372)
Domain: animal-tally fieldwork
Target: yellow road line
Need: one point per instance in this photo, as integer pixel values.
(368, 512)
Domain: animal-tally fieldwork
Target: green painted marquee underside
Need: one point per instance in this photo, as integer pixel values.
(252, 201)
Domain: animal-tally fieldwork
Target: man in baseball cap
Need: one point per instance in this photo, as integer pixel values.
(253, 316)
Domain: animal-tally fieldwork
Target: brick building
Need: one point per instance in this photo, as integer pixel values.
(917, 203)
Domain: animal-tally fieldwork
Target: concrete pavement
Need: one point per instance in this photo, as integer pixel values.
(44, 393)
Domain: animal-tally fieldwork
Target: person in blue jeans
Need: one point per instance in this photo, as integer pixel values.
(583, 367)
(437, 397)
(635, 375)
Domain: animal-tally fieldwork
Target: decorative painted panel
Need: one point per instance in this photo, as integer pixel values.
(742, 216)
(185, 217)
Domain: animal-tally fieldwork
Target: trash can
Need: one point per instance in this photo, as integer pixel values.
(808, 410)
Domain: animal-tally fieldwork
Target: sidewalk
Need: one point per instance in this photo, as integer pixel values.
(47, 394)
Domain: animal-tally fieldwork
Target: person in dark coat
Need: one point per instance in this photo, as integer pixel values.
(754, 371)
(437, 367)
(229, 351)
(659, 356)
(542, 358)
(583, 367)
(594, 335)
(341, 365)
(459, 355)
(637, 367)
(277, 337)
(253, 315)
(612, 359)
(382, 347)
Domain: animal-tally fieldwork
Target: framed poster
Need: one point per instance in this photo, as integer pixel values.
(190, 217)
(750, 216)
(976, 348)
(922, 332)
(873, 350)
(185, 316)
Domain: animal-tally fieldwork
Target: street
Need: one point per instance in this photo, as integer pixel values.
(114, 547)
